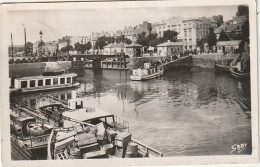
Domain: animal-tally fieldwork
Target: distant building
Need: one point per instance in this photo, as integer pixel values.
(168, 48)
(194, 30)
(174, 23)
(228, 46)
(218, 19)
(114, 48)
(18, 50)
(132, 32)
(228, 27)
(234, 25)
(50, 47)
(239, 19)
(134, 50)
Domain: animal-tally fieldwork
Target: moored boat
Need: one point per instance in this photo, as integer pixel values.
(94, 133)
(90, 133)
(240, 66)
(28, 136)
(146, 73)
(238, 74)
(42, 83)
(221, 68)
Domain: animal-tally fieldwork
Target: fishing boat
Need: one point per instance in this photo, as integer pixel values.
(90, 133)
(240, 66)
(28, 136)
(147, 72)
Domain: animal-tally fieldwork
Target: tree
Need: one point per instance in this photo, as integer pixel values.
(67, 48)
(103, 41)
(244, 36)
(211, 38)
(201, 43)
(142, 39)
(83, 47)
(29, 48)
(235, 36)
(223, 36)
(170, 35)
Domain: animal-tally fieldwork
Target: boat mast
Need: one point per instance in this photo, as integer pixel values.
(12, 45)
(24, 40)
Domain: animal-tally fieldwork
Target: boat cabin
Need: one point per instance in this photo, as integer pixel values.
(19, 124)
(77, 103)
(147, 70)
(93, 116)
(33, 82)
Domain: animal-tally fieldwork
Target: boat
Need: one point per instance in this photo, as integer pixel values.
(91, 133)
(239, 74)
(28, 136)
(118, 63)
(42, 83)
(221, 66)
(240, 66)
(146, 73)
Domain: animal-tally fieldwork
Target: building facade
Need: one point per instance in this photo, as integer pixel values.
(168, 48)
(114, 48)
(228, 46)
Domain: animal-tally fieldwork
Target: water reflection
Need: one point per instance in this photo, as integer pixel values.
(181, 113)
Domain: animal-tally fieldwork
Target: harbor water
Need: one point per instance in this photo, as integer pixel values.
(181, 113)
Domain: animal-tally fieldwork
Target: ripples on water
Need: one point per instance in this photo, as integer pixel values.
(181, 113)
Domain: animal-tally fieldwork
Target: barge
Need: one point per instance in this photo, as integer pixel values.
(146, 73)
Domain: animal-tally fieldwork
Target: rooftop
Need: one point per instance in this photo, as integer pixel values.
(43, 77)
(228, 43)
(134, 45)
(170, 44)
(116, 45)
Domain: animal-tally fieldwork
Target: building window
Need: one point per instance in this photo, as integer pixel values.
(62, 80)
(23, 84)
(55, 81)
(40, 82)
(32, 83)
(47, 82)
(69, 80)
(190, 47)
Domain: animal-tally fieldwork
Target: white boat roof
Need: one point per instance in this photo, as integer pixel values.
(86, 114)
(43, 77)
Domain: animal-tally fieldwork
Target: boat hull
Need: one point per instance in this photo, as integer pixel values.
(221, 68)
(147, 77)
(239, 75)
(44, 88)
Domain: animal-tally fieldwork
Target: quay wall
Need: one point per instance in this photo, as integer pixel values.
(33, 69)
(207, 61)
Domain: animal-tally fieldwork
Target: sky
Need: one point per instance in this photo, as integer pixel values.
(58, 23)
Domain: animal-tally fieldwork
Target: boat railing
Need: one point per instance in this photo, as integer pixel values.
(122, 122)
(147, 150)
